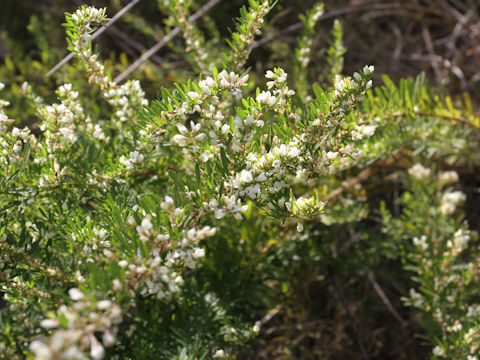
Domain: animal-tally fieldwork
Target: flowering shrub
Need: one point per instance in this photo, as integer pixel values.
(119, 234)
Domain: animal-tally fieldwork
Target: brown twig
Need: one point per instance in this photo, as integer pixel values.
(385, 300)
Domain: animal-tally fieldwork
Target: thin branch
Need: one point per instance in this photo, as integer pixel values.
(363, 175)
(385, 300)
(344, 303)
(164, 41)
(134, 44)
(95, 34)
(427, 38)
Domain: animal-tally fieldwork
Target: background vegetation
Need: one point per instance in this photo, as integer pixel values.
(341, 288)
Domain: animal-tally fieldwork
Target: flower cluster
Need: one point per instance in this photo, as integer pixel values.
(12, 142)
(126, 99)
(419, 172)
(76, 328)
(5, 122)
(437, 259)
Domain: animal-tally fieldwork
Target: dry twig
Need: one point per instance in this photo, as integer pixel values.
(163, 42)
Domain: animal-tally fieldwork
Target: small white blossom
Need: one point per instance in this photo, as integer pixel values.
(438, 351)
(75, 294)
(198, 253)
(419, 172)
(180, 140)
(448, 177)
(266, 98)
(450, 201)
(368, 70)
(220, 354)
(246, 176)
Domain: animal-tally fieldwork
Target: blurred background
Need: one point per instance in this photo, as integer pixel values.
(401, 38)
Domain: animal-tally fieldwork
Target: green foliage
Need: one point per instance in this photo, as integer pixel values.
(196, 225)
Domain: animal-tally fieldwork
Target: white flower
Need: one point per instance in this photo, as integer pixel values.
(262, 177)
(416, 298)
(193, 95)
(117, 285)
(420, 242)
(198, 253)
(331, 155)
(419, 172)
(219, 354)
(144, 230)
(266, 98)
(238, 122)
(461, 239)
(167, 204)
(253, 191)
(108, 339)
(220, 214)
(248, 120)
(293, 152)
(246, 176)
(135, 158)
(204, 157)
(369, 130)
(339, 86)
(225, 129)
(100, 234)
(200, 137)
(448, 177)
(206, 84)
(236, 146)
(283, 75)
(180, 140)
(182, 128)
(367, 70)
(438, 351)
(104, 304)
(41, 350)
(300, 227)
(209, 81)
(450, 201)
(75, 294)
(49, 323)
(97, 352)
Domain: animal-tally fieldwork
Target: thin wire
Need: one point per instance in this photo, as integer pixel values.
(95, 34)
